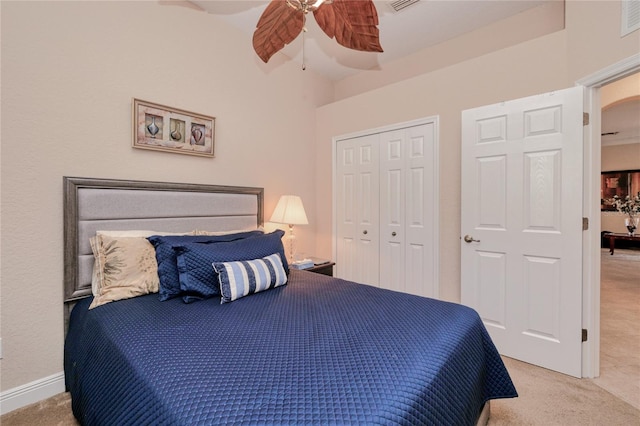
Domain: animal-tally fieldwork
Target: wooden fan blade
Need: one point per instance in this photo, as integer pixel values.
(353, 23)
(278, 25)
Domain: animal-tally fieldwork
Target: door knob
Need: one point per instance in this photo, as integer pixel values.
(393, 234)
(365, 232)
(469, 239)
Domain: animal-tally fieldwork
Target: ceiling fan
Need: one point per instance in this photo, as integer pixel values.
(353, 23)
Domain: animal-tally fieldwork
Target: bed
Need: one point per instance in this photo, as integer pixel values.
(310, 350)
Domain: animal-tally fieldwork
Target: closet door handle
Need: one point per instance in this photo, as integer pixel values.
(393, 234)
(365, 232)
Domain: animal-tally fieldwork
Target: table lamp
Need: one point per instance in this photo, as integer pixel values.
(290, 211)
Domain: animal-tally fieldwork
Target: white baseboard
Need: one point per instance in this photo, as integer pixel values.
(31, 393)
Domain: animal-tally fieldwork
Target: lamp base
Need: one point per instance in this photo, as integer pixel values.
(292, 238)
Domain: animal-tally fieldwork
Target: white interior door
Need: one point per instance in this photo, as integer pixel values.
(357, 216)
(522, 167)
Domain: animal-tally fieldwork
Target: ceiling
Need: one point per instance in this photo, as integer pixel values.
(420, 25)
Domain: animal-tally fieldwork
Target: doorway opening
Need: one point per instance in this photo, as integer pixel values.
(620, 261)
(592, 207)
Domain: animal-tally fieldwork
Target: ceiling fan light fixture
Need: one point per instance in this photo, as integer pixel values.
(306, 5)
(353, 24)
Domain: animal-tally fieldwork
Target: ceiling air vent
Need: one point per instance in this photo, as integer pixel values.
(630, 17)
(399, 5)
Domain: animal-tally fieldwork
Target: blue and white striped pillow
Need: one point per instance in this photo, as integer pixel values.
(239, 279)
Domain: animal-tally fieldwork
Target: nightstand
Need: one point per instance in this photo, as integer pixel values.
(324, 269)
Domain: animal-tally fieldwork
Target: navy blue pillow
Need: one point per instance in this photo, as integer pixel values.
(198, 279)
(166, 256)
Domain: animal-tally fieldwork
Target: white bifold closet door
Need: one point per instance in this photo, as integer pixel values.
(406, 255)
(357, 194)
(386, 209)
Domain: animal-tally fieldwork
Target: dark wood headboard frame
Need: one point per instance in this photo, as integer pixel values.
(73, 290)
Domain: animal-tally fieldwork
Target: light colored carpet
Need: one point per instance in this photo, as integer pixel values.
(549, 398)
(55, 411)
(620, 324)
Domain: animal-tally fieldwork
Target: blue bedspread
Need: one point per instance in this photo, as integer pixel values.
(316, 351)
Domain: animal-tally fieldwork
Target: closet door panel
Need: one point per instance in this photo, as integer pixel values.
(346, 217)
(368, 202)
(415, 269)
(419, 226)
(415, 230)
(357, 210)
(392, 209)
(392, 272)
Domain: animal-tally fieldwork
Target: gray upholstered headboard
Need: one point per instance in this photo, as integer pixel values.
(109, 204)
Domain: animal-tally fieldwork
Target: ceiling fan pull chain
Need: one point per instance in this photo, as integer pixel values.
(304, 31)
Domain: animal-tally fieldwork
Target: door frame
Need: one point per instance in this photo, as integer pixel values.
(591, 206)
(435, 119)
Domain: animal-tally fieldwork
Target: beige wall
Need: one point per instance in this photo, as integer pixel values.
(590, 42)
(69, 71)
(516, 29)
(621, 90)
(621, 157)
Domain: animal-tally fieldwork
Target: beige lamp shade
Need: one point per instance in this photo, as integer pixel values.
(290, 211)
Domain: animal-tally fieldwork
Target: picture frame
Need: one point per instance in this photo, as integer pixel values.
(163, 128)
(620, 183)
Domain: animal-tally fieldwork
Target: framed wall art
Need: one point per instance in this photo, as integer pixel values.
(164, 128)
(620, 183)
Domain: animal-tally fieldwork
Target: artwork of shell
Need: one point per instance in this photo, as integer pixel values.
(161, 128)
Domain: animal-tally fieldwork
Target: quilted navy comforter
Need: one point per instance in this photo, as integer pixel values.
(317, 351)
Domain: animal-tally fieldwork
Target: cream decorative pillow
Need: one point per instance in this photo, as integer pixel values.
(125, 267)
(125, 233)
